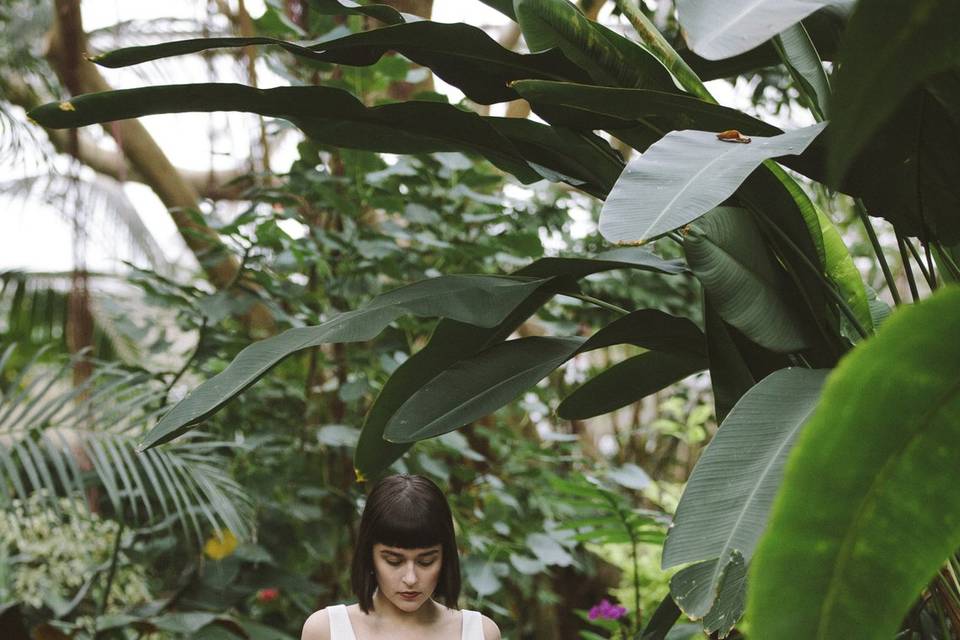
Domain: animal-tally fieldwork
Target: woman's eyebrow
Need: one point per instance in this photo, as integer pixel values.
(428, 553)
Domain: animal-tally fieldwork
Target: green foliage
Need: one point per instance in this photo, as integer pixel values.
(779, 288)
(852, 564)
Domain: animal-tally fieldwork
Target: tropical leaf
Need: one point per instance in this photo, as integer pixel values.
(608, 57)
(482, 300)
(803, 62)
(683, 176)
(591, 107)
(333, 116)
(894, 175)
(59, 439)
(725, 504)
(877, 453)
(461, 54)
(748, 289)
(718, 29)
(454, 341)
(478, 385)
(841, 269)
(629, 381)
(889, 49)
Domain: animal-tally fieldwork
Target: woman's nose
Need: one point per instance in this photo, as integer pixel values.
(410, 575)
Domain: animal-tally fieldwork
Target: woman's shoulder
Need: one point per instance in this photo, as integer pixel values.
(317, 626)
(490, 629)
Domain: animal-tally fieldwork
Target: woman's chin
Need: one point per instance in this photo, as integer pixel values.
(408, 606)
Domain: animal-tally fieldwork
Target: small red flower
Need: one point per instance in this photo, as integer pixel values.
(268, 595)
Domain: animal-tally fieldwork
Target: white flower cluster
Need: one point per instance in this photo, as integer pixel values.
(48, 554)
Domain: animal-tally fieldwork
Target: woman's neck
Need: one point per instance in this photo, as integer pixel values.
(389, 613)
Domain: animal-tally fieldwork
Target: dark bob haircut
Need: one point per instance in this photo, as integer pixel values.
(409, 512)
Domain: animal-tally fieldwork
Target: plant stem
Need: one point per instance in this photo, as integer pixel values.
(600, 303)
(658, 46)
(933, 273)
(112, 572)
(905, 258)
(878, 250)
(948, 261)
(917, 259)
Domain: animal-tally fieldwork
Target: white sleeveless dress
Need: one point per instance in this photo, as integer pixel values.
(341, 629)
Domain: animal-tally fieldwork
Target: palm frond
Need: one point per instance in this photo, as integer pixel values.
(57, 440)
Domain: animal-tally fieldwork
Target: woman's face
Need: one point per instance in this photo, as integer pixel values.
(407, 577)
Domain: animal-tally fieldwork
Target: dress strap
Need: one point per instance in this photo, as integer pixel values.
(340, 627)
(472, 625)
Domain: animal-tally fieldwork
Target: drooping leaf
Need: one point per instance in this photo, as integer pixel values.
(629, 381)
(478, 385)
(804, 64)
(584, 106)
(725, 504)
(693, 585)
(461, 54)
(333, 116)
(877, 459)
(608, 57)
(483, 300)
(718, 29)
(748, 290)
(889, 49)
(683, 176)
(453, 341)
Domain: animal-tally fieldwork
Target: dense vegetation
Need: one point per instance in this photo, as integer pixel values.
(388, 303)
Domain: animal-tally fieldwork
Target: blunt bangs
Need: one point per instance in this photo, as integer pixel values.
(408, 523)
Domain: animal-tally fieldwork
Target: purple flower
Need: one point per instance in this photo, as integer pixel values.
(604, 609)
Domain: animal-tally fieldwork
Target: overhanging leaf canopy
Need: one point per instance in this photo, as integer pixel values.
(483, 300)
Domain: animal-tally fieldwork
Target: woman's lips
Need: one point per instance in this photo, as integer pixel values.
(409, 595)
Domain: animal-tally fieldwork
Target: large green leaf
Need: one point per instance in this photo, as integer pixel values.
(629, 381)
(461, 54)
(482, 300)
(868, 508)
(725, 504)
(748, 289)
(333, 116)
(453, 341)
(608, 57)
(683, 176)
(889, 49)
(694, 583)
(718, 29)
(477, 386)
(909, 172)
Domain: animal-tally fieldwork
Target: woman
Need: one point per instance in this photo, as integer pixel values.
(406, 554)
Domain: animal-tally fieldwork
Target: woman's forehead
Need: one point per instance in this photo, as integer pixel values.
(412, 553)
